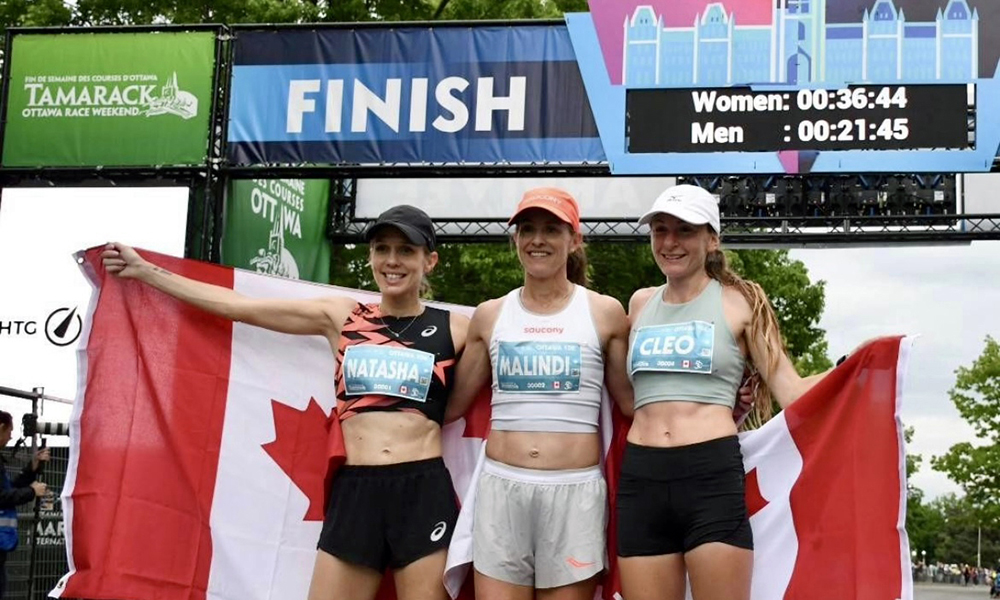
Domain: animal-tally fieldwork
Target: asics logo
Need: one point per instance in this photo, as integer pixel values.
(579, 565)
(429, 331)
(439, 531)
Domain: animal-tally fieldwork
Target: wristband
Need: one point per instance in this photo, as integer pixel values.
(841, 360)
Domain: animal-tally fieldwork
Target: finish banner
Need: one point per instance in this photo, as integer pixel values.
(109, 99)
(278, 227)
(409, 96)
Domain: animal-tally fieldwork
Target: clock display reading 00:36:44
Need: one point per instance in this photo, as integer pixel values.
(914, 117)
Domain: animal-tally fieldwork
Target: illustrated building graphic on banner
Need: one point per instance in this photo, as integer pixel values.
(276, 259)
(278, 227)
(799, 46)
(173, 101)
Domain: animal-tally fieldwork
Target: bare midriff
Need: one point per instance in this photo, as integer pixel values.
(385, 438)
(544, 450)
(679, 423)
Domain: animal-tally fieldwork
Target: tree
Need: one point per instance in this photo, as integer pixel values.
(959, 526)
(924, 522)
(976, 468)
(798, 302)
(48, 13)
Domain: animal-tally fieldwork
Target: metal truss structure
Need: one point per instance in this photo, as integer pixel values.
(766, 212)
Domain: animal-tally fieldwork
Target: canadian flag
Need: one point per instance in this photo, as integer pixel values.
(825, 487)
(201, 450)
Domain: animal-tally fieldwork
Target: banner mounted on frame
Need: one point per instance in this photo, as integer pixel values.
(502, 94)
(792, 87)
(109, 99)
(635, 87)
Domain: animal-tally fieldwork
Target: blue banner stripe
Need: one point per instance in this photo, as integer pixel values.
(555, 101)
(373, 152)
(499, 94)
(407, 44)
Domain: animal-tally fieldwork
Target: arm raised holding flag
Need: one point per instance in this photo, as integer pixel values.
(392, 506)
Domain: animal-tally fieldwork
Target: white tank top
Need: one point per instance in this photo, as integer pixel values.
(548, 370)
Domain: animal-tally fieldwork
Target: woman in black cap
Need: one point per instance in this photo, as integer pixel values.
(392, 505)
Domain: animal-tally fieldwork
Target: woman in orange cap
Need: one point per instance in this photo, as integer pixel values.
(549, 348)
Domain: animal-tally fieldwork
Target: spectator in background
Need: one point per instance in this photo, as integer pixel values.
(22, 490)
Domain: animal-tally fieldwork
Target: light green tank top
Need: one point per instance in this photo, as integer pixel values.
(684, 351)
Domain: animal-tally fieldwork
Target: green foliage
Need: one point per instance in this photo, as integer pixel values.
(923, 522)
(34, 13)
(958, 523)
(471, 273)
(798, 302)
(912, 465)
(976, 468)
(52, 13)
(924, 526)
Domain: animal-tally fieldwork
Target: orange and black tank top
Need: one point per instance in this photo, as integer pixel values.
(395, 364)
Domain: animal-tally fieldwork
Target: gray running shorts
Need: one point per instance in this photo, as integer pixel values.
(537, 528)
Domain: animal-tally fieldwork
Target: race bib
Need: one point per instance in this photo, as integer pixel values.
(538, 367)
(677, 347)
(388, 371)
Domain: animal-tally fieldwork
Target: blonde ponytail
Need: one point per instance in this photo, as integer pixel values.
(763, 326)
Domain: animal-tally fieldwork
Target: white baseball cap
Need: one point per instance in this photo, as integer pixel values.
(688, 203)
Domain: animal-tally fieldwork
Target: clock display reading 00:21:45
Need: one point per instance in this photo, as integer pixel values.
(851, 118)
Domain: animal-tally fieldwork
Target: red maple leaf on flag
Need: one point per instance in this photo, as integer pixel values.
(754, 499)
(300, 440)
(477, 417)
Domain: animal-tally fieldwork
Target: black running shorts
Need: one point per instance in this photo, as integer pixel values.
(672, 500)
(389, 515)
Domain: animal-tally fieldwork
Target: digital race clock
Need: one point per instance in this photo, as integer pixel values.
(890, 117)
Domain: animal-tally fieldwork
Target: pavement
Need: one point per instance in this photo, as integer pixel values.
(932, 591)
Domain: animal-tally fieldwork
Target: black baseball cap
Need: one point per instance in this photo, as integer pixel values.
(413, 222)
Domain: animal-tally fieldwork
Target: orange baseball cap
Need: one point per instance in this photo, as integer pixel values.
(556, 201)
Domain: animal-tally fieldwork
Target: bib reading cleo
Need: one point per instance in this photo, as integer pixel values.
(388, 371)
(675, 347)
(538, 367)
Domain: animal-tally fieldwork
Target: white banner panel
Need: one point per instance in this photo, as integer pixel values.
(43, 296)
(445, 199)
(980, 196)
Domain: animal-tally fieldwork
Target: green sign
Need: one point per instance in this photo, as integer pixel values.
(109, 99)
(278, 227)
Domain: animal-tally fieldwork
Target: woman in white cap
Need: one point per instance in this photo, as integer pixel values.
(680, 504)
(392, 506)
(549, 347)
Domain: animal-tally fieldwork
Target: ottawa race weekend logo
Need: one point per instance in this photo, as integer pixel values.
(123, 95)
